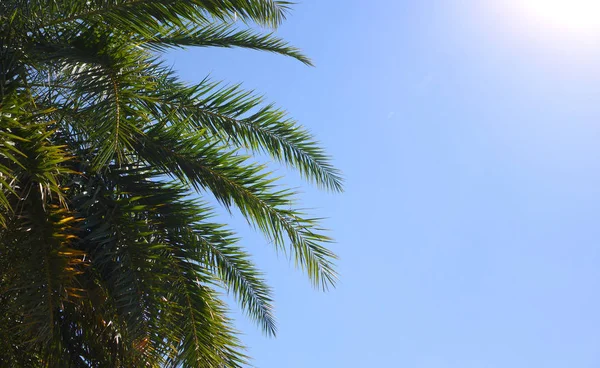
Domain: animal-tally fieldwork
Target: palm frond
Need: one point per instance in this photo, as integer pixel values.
(241, 118)
(221, 35)
(234, 268)
(131, 12)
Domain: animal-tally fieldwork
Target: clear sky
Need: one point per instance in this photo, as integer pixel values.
(469, 233)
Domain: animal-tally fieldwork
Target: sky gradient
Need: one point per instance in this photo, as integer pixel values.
(468, 234)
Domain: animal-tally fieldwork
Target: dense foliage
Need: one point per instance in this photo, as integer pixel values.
(107, 257)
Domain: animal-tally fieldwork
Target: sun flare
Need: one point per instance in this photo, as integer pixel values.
(571, 15)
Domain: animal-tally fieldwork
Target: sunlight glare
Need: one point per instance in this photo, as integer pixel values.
(569, 15)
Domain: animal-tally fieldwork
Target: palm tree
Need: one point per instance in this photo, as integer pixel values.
(106, 257)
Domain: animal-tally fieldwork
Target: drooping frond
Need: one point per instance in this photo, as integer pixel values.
(129, 13)
(241, 118)
(233, 181)
(239, 275)
(220, 35)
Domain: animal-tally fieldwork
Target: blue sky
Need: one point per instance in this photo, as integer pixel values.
(468, 233)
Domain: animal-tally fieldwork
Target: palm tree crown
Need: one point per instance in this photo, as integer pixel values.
(106, 260)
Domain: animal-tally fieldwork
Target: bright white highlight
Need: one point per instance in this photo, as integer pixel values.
(569, 15)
